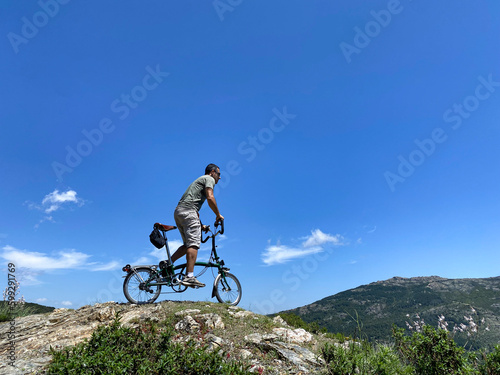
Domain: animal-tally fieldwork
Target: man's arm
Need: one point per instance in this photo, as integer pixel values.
(213, 204)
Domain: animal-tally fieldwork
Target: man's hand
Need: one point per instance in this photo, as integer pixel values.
(219, 218)
(205, 228)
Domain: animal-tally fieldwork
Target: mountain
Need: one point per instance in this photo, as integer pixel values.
(369, 311)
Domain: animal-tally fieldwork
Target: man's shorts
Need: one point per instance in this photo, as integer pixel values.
(189, 225)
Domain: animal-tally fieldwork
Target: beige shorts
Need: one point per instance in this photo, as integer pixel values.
(189, 225)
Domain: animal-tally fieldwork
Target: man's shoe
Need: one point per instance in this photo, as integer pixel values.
(192, 282)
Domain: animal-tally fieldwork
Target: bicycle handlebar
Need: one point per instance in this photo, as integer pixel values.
(216, 224)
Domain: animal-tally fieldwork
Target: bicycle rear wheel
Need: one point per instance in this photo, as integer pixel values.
(135, 289)
(227, 289)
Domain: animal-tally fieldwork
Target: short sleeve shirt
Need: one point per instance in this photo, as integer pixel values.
(195, 196)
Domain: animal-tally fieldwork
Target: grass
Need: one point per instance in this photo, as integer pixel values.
(147, 349)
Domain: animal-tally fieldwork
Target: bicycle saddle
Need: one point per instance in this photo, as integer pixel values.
(164, 228)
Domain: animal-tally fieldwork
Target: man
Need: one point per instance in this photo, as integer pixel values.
(187, 219)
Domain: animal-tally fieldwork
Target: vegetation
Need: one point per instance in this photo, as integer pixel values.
(363, 358)
(14, 306)
(425, 351)
(382, 304)
(296, 321)
(115, 349)
(18, 309)
(149, 349)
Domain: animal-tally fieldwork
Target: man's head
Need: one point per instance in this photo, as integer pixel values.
(214, 171)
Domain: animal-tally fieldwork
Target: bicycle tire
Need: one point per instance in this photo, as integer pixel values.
(131, 287)
(231, 296)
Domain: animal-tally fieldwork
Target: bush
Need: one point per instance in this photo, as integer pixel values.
(297, 322)
(491, 364)
(363, 358)
(432, 352)
(115, 349)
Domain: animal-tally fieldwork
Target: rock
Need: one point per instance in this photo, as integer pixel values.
(212, 321)
(188, 324)
(214, 342)
(187, 312)
(243, 314)
(245, 354)
(279, 320)
(254, 338)
(103, 315)
(298, 335)
(36, 334)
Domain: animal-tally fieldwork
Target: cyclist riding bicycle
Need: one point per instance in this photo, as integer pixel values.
(188, 222)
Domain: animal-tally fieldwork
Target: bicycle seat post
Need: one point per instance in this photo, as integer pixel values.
(167, 249)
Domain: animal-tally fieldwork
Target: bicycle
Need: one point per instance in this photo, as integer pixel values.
(143, 283)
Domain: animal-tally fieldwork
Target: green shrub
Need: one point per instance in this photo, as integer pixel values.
(432, 352)
(491, 365)
(297, 322)
(363, 358)
(115, 349)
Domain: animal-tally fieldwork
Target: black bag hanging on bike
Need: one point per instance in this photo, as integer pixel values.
(156, 238)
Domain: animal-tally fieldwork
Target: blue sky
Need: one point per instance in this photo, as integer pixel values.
(357, 141)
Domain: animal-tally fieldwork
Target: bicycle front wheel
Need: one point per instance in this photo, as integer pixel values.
(227, 289)
(135, 289)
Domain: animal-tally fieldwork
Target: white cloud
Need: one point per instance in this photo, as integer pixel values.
(66, 303)
(33, 263)
(113, 265)
(277, 254)
(27, 276)
(53, 201)
(161, 254)
(141, 260)
(41, 300)
(318, 238)
(40, 261)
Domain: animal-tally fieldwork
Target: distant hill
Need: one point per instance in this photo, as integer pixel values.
(377, 306)
(28, 308)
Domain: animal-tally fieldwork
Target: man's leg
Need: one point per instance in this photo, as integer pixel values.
(190, 280)
(179, 253)
(191, 255)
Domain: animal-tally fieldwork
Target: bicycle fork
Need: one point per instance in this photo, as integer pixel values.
(223, 282)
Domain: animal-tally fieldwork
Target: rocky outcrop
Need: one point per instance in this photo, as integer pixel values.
(242, 334)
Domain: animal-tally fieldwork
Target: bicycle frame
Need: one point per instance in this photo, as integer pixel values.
(143, 283)
(173, 270)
